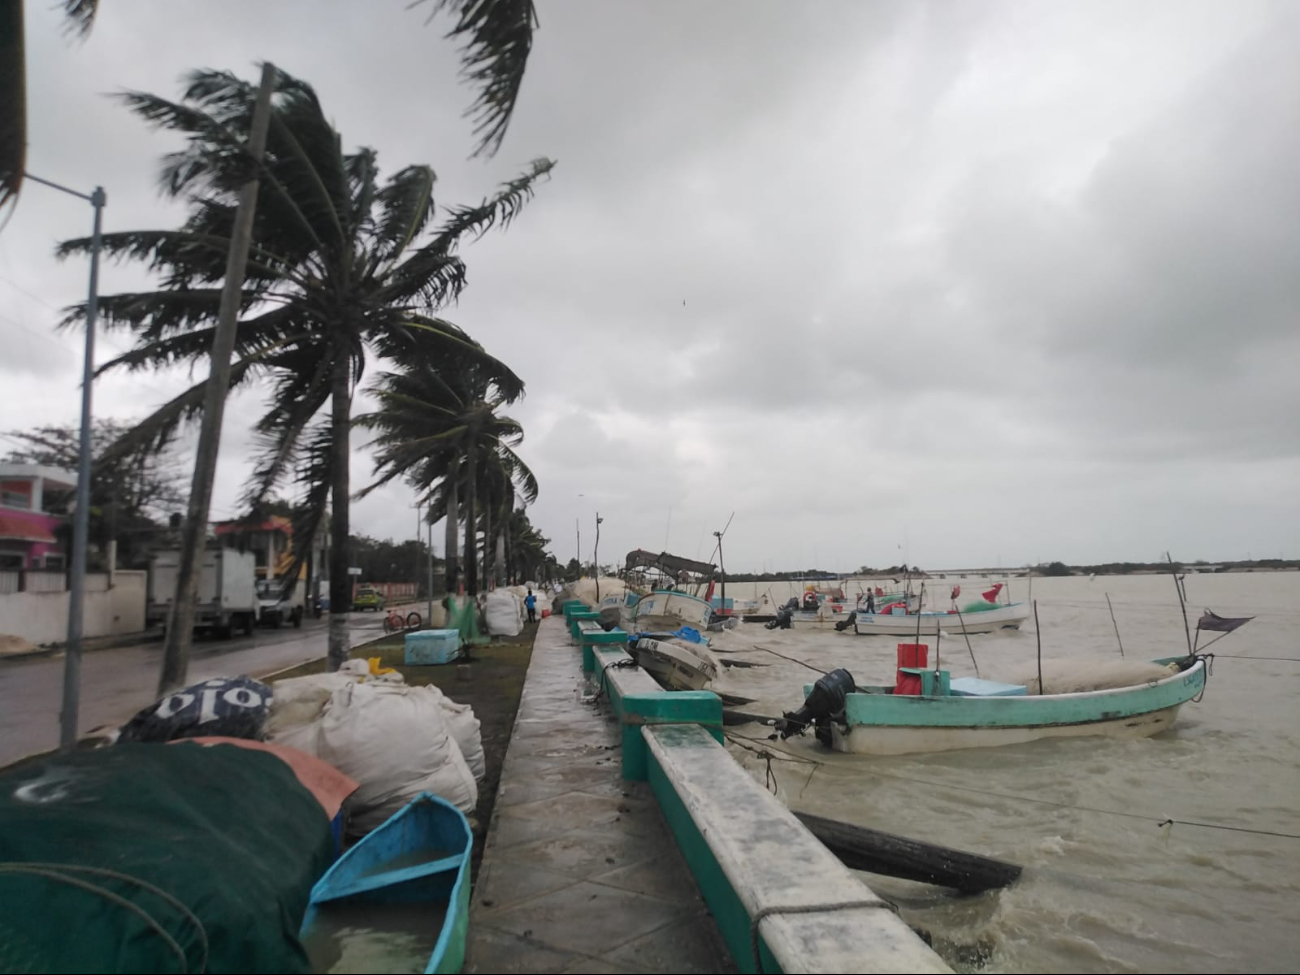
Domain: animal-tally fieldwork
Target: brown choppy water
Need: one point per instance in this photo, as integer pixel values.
(1101, 892)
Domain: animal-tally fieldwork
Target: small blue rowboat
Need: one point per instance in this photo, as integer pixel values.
(399, 899)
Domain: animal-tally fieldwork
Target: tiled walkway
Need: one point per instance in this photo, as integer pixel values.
(580, 873)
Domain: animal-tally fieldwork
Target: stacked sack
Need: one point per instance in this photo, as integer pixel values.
(395, 740)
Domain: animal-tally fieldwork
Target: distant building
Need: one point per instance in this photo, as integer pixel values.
(29, 496)
(270, 540)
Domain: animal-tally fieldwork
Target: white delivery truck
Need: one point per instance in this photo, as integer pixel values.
(276, 606)
(227, 597)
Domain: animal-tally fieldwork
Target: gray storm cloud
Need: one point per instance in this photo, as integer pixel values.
(1002, 280)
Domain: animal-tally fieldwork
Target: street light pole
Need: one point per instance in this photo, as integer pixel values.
(81, 516)
(595, 555)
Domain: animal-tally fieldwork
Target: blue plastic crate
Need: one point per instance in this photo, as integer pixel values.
(432, 647)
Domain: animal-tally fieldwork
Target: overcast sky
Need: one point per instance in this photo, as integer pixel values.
(969, 283)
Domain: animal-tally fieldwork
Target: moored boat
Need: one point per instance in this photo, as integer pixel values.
(899, 622)
(927, 711)
(402, 890)
(664, 610)
(676, 667)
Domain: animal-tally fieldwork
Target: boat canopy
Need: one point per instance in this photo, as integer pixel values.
(673, 565)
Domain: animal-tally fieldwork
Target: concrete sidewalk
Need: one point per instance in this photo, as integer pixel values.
(580, 872)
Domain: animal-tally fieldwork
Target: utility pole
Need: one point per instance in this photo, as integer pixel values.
(180, 621)
(81, 516)
(429, 618)
(595, 555)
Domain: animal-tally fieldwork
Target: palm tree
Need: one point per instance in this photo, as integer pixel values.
(438, 426)
(344, 266)
(495, 39)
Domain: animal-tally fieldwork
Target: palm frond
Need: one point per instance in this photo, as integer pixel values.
(80, 14)
(156, 431)
(13, 102)
(496, 37)
(428, 273)
(405, 208)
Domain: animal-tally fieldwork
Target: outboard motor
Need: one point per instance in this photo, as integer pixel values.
(784, 615)
(826, 700)
(848, 621)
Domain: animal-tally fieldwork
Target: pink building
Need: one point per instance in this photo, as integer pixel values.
(28, 537)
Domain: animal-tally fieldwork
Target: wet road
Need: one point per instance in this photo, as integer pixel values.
(117, 683)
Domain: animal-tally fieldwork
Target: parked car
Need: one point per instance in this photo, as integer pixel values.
(368, 598)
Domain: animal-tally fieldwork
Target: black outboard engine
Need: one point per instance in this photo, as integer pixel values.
(848, 621)
(784, 615)
(825, 701)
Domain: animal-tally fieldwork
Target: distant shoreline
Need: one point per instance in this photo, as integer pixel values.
(1046, 571)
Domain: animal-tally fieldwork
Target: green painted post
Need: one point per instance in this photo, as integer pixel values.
(590, 639)
(703, 708)
(577, 616)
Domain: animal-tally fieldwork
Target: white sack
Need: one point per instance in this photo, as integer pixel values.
(395, 741)
(504, 613)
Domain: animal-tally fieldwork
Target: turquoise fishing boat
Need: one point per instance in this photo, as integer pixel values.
(399, 899)
(928, 711)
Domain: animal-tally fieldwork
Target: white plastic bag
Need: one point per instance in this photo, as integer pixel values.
(394, 740)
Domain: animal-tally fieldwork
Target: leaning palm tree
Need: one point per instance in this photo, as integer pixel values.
(495, 38)
(344, 266)
(438, 426)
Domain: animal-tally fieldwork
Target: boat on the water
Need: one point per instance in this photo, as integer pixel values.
(664, 610)
(824, 609)
(986, 618)
(927, 711)
(402, 890)
(676, 667)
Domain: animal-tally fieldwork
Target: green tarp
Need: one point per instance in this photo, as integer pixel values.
(147, 851)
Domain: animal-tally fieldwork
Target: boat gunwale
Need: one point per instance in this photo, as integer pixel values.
(405, 874)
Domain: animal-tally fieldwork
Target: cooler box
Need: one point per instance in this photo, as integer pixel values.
(425, 647)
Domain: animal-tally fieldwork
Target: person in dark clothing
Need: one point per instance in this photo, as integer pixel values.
(871, 601)
(530, 603)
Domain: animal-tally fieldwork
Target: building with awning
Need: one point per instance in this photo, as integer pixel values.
(32, 499)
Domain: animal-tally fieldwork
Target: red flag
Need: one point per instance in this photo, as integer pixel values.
(956, 591)
(992, 594)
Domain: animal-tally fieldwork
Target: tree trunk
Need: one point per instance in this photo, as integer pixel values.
(452, 537)
(194, 533)
(489, 562)
(500, 562)
(340, 581)
(471, 519)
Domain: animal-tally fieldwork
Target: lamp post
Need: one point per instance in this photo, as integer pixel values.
(81, 515)
(595, 555)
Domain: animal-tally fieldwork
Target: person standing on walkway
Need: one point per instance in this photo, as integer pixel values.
(530, 603)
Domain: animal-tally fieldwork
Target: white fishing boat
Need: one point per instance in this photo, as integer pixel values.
(825, 612)
(676, 667)
(664, 610)
(899, 622)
